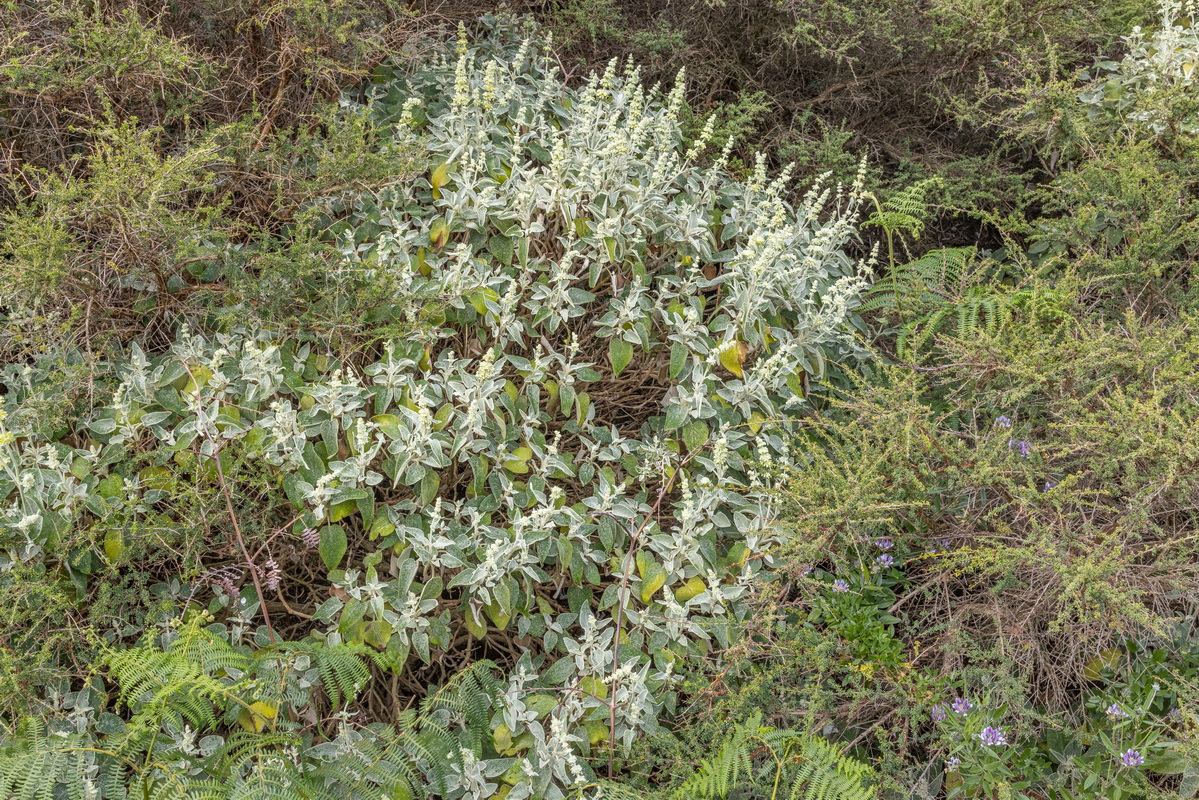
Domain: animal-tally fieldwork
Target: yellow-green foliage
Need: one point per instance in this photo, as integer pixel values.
(500, 432)
(1059, 460)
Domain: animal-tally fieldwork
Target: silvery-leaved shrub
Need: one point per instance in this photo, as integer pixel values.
(567, 472)
(1153, 85)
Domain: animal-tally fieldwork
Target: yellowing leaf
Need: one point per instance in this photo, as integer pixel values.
(582, 405)
(496, 614)
(519, 461)
(596, 731)
(733, 356)
(389, 424)
(257, 716)
(1093, 670)
(541, 704)
(378, 633)
(502, 737)
(339, 511)
(692, 588)
(439, 232)
(381, 528)
(439, 178)
(755, 422)
(196, 378)
(595, 685)
(653, 578)
(513, 776)
(157, 478)
(477, 628)
(479, 298)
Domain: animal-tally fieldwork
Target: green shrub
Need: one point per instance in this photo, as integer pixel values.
(561, 468)
(152, 154)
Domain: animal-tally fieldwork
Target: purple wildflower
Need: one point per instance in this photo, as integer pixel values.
(1131, 758)
(1116, 712)
(993, 736)
(1002, 422)
(952, 762)
(840, 586)
(1022, 447)
(311, 537)
(939, 712)
(1050, 484)
(806, 571)
(884, 544)
(962, 706)
(273, 575)
(225, 579)
(1174, 714)
(885, 560)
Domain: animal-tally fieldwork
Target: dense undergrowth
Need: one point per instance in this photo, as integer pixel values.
(405, 401)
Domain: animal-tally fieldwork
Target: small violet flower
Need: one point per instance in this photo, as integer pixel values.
(939, 712)
(1022, 447)
(1131, 758)
(952, 763)
(1116, 712)
(884, 544)
(885, 560)
(1002, 421)
(1051, 484)
(840, 586)
(993, 736)
(962, 706)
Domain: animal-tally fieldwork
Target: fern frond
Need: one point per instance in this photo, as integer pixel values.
(805, 767)
(342, 671)
(933, 278)
(824, 774)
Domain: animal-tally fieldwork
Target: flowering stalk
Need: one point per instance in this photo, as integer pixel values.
(624, 596)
